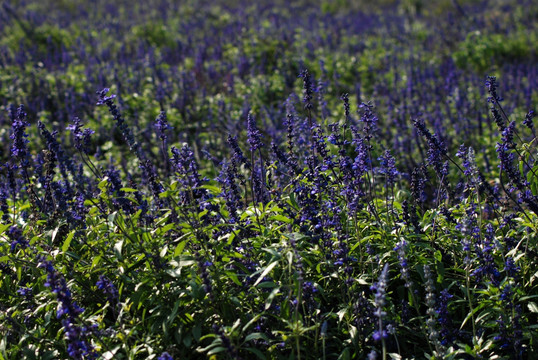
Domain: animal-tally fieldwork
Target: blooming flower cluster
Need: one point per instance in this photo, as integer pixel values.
(77, 335)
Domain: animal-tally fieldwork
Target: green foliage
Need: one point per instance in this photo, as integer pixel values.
(279, 255)
(483, 51)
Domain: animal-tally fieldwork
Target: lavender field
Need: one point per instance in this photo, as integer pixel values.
(268, 180)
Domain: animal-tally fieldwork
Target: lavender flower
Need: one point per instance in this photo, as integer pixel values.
(469, 163)
(230, 190)
(259, 187)
(186, 167)
(48, 184)
(369, 120)
(430, 303)
(362, 159)
(321, 148)
(204, 274)
(444, 318)
(17, 238)
(510, 267)
(507, 158)
(237, 152)
(26, 292)
(307, 90)
(107, 287)
(162, 126)
(78, 346)
(120, 122)
(528, 120)
(3, 204)
(487, 266)
(58, 286)
(491, 84)
(404, 266)
(81, 136)
(388, 167)
(285, 158)
(19, 124)
(253, 134)
(494, 100)
(79, 211)
(308, 293)
(165, 356)
(103, 99)
(418, 184)
(345, 100)
(380, 292)
(65, 164)
(498, 118)
(436, 148)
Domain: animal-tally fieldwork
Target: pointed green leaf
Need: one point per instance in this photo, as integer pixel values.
(67, 241)
(265, 272)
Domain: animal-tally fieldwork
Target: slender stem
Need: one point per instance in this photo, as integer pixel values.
(469, 299)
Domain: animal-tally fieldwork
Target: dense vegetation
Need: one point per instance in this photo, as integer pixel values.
(235, 179)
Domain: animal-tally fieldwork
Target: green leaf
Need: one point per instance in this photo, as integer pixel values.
(112, 218)
(532, 307)
(266, 285)
(256, 352)
(54, 233)
(472, 313)
(233, 276)
(67, 241)
(252, 321)
(179, 248)
(164, 229)
(236, 324)
(103, 184)
(281, 218)
(271, 297)
(215, 190)
(111, 353)
(4, 227)
(344, 355)
(117, 249)
(266, 271)
(197, 331)
(256, 336)
(128, 190)
(295, 236)
(216, 350)
(178, 263)
(96, 260)
(163, 251)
